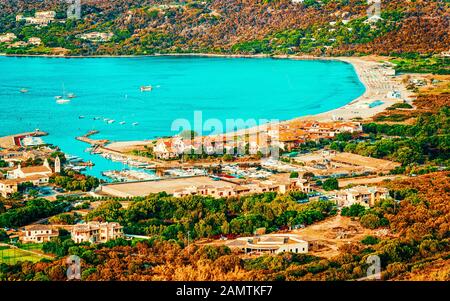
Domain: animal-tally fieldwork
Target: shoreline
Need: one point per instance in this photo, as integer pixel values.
(191, 54)
(371, 72)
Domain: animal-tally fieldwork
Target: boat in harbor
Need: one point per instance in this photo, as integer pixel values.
(146, 88)
(81, 117)
(111, 121)
(135, 123)
(96, 118)
(71, 95)
(122, 122)
(24, 90)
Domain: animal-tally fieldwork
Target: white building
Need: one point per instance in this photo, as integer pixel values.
(38, 234)
(165, 150)
(7, 38)
(31, 171)
(373, 19)
(96, 232)
(96, 36)
(34, 41)
(41, 18)
(363, 195)
(271, 243)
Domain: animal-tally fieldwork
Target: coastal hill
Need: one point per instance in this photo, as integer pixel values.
(326, 27)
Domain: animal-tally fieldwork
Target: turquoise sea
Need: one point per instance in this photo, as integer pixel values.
(222, 88)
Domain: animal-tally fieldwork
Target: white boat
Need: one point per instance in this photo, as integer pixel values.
(122, 122)
(23, 90)
(146, 88)
(61, 99)
(81, 117)
(111, 121)
(71, 95)
(58, 97)
(79, 168)
(135, 123)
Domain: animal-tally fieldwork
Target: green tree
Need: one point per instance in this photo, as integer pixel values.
(330, 184)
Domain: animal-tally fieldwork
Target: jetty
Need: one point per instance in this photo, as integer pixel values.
(94, 142)
(14, 141)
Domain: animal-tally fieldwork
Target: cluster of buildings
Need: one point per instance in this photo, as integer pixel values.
(270, 243)
(37, 175)
(245, 189)
(11, 40)
(297, 132)
(41, 18)
(173, 148)
(286, 137)
(96, 36)
(92, 232)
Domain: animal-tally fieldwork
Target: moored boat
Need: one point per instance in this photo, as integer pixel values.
(146, 88)
(62, 101)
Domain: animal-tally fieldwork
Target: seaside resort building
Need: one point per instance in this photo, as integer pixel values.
(272, 244)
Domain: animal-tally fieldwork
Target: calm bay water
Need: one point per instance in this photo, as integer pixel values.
(222, 88)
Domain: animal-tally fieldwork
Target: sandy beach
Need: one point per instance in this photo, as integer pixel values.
(373, 72)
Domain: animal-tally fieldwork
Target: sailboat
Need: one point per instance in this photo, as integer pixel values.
(62, 100)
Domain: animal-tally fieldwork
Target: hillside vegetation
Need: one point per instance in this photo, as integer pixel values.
(327, 27)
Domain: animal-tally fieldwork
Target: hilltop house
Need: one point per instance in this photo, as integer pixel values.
(7, 38)
(363, 195)
(96, 36)
(34, 41)
(38, 234)
(96, 232)
(41, 18)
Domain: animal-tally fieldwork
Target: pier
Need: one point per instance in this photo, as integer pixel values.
(94, 142)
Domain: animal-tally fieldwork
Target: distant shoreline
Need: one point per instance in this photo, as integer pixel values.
(218, 55)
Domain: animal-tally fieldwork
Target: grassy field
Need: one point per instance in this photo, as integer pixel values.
(434, 65)
(10, 255)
